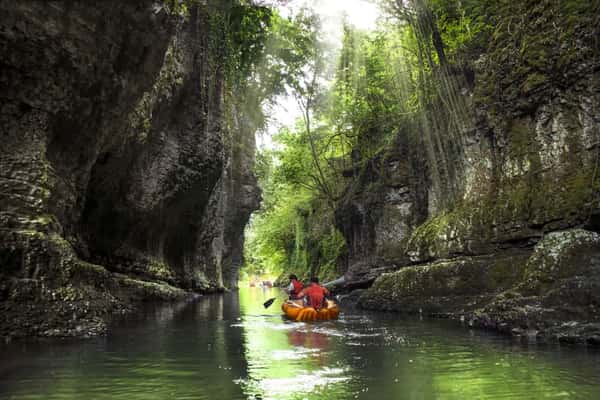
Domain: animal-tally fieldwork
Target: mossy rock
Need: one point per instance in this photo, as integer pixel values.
(559, 256)
(444, 285)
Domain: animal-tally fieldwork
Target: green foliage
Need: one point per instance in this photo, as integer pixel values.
(406, 82)
(349, 123)
(250, 28)
(465, 25)
(298, 50)
(370, 95)
(293, 231)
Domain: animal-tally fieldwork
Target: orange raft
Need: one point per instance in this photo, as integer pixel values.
(294, 309)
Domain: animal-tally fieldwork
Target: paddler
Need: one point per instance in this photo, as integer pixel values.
(294, 288)
(315, 294)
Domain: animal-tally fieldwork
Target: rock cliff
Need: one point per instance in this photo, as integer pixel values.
(496, 222)
(125, 170)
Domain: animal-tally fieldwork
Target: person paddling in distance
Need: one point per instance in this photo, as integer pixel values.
(294, 288)
(315, 294)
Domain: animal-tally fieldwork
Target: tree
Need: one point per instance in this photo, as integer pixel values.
(304, 73)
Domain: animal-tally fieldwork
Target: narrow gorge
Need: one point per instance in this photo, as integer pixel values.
(446, 164)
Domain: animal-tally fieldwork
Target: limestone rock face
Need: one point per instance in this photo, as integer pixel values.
(552, 292)
(381, 209)
(516, 173)
(117, 168)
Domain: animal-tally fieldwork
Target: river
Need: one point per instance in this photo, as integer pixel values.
(230, 347)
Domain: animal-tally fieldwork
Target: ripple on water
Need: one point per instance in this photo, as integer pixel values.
(267, 323)
(342, 333)
(355, 319)
(243, 353)
(298, 352)
(305, 382)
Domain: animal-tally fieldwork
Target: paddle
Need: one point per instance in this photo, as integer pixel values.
(268, 303)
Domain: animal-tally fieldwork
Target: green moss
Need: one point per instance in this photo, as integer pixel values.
(137, 290)
(445, 285)
(523, 62)
(67, 293)
(93, 270)
(528, 200)
(44, 219)
(534, 81)
(506, 271)
(169, 80)
(560, 255)
(31, 233)
(519, 138)
(160, 270)
(424, 237)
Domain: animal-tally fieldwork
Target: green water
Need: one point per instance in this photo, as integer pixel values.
(229, 347)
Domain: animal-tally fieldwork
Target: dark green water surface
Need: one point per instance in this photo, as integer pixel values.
(230, 347)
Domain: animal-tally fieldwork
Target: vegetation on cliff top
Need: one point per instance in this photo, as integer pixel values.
(352, 113)
(420, 74)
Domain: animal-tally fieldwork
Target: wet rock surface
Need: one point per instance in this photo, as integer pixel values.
(549, 293)
(498, 225)
(117, 185)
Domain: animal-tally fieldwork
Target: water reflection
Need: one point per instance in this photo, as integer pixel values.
(383, 357)
(287, 360)
(314, 340)
(230, 347)
(166, 351)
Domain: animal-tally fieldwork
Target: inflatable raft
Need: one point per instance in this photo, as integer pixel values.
(294, 309)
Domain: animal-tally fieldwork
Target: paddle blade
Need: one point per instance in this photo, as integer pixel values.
(268, 302)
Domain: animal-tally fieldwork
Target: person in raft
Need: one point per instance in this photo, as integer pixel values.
(315, 294)
(294, 288)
